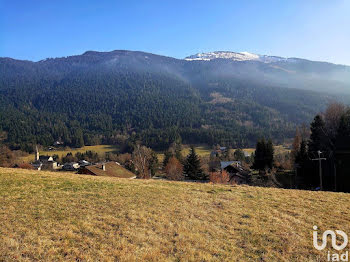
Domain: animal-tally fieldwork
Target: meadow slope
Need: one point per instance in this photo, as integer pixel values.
(61, 216)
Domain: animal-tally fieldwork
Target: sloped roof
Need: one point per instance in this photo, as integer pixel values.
(112, 169)
(225, 164)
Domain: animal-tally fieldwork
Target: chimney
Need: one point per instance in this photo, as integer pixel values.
(104, 167)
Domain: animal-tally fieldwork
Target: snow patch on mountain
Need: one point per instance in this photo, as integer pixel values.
(241, 56)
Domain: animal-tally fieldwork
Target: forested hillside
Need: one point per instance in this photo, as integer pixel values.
(89, 99)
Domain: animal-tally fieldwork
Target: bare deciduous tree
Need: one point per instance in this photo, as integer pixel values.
(295, 145)
(304, 131)
(141, 158)
(6, 156)
(219, 177)
(332, 117)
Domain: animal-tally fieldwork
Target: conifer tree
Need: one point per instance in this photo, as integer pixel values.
(174, 150)
(306, 178)
(167, 156)
(192, 166)
(263, 157)
(78, 139)
(318, 139)
(259, 155)
(269, 151)
(239, 154)
(153, 163)
(301, 156)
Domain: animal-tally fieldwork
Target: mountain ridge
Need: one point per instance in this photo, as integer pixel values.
(235, 56)
(207, 56)
(159, 99)
(187, 57)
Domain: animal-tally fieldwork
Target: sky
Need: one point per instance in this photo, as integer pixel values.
(313, 29)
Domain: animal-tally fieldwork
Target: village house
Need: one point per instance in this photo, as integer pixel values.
(58, 143)
(220, 150)
(83, 163)
(229, 172)
(112, 169)
(246, 153)
(72, 166)
(237, 173)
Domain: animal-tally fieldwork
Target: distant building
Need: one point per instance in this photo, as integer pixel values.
(37, 165)
(83, 163)
(50, 165)
(237, 173)
(220, 150)
(46, 158)
(70, 166)
(214, 154)
(44, 162)
(112, 169)
(224, 164)
(58, 143)
(246, 153)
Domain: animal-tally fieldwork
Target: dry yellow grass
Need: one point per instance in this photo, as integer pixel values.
(100, 149)
(202, 151)
(61, 216)
(281, 150)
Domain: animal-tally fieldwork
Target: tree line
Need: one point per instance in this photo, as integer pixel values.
(321, 153)
(175, 166)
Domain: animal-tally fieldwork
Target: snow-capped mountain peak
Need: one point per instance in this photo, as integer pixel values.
(241, 56)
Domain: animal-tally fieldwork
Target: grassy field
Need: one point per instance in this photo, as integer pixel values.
(203, 151)
(60, 216)
(100, 149)
(200, 150)
(281, 150)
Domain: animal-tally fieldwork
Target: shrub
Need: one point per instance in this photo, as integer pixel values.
(219, 177)
(174, 169)
(25, 166)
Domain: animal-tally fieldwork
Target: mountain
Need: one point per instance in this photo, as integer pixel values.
(280, 71)
(98, 97)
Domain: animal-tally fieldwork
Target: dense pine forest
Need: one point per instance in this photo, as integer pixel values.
(98, 97)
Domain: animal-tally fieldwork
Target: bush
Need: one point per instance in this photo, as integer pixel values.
(25, 166)
(219, 177)
(6, 156)
(174, 169)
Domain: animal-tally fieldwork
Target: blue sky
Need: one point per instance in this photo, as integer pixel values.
(313, 29)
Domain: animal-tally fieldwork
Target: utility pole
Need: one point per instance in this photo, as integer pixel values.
(296, 183)
(320, 166)
(335, 178)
